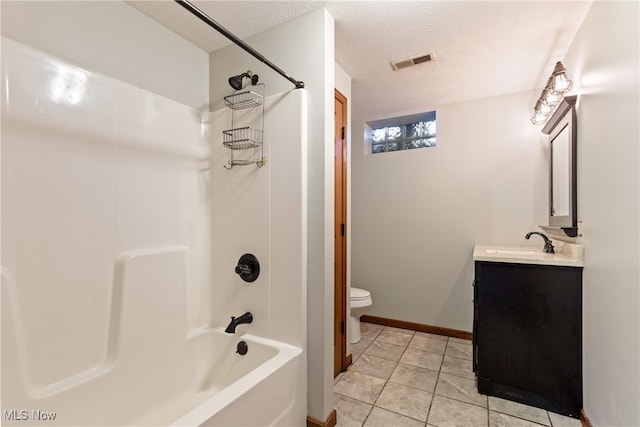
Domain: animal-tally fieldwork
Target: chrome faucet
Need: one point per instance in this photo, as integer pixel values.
(548, 247)
(235, 321)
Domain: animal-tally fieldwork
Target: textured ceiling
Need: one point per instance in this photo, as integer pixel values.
(481, 49)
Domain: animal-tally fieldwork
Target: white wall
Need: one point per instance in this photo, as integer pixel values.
(603, 64)
(417, 214)
(113, 38)
(304, 48)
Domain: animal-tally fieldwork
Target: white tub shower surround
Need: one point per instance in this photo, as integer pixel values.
(113, 289)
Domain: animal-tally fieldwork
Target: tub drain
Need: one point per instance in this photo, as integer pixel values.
(242, 348)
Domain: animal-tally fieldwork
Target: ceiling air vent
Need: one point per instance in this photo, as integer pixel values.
(404, 63)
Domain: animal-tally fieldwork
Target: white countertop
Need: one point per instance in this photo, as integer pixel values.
(567, 254)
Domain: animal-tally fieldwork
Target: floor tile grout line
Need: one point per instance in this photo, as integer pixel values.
(373, 405)
(387, 381)
(488, 413)
(436, 386)
(385, 385)
(520, 418)
(439, 372)
(469, 403)
(550, 422)
(432, 394)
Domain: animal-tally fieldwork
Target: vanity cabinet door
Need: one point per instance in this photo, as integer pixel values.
(528, 334)
(474, 349)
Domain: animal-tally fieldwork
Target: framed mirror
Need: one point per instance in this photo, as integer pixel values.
(563, 205)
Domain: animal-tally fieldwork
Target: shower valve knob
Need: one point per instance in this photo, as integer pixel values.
(243, 269)
(248, 268)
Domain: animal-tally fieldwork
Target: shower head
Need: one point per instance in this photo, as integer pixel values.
(238, 82)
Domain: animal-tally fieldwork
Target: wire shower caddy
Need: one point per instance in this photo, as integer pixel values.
(245, 137)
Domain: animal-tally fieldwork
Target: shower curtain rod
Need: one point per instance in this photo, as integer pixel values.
(219, 28)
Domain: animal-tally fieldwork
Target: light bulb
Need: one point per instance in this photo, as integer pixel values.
(539, 118)
(561, 83)
(552, 98)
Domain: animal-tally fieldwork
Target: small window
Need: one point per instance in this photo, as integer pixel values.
(403, 133)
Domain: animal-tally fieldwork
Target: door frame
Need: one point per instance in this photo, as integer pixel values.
(341, 319)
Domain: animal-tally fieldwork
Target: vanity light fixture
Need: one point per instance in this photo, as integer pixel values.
(557, 85)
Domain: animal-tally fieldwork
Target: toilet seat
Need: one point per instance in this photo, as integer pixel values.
(358, 294)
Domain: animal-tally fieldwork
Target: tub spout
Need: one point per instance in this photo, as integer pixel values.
(235, 321)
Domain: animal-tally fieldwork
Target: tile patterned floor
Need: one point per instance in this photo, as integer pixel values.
(401, 378)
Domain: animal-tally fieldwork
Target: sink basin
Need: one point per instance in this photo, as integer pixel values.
(568, 254)
(511, 251)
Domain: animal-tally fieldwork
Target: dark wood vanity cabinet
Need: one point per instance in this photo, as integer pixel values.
(527, 334)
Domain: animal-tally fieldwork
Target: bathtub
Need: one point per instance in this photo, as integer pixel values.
(102, 312)
(213, 386)
(255, 389)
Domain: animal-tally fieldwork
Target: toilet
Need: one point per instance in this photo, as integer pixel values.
(359, 302)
